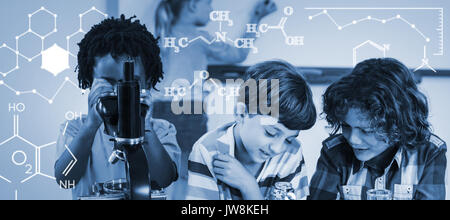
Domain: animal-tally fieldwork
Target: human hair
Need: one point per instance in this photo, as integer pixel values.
(294, 98)
(386, 92)
(167, 14)
(119, 37)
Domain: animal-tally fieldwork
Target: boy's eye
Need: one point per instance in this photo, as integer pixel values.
(271, 134)
(345, 126)
(368, 131)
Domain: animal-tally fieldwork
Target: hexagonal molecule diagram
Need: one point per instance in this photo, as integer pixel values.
(55, 60)
(47, 26)
(19, 157)
(74, 38)
(9, 63)
(38, 22)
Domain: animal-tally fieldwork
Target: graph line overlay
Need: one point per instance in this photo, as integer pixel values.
(398, 17)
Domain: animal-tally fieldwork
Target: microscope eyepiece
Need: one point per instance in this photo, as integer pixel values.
(128, 70)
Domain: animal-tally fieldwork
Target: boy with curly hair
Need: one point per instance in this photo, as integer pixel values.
(381, 138)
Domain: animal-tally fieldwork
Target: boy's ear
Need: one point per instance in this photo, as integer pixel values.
(240, 111)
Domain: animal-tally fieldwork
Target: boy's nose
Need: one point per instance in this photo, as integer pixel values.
(276, 148)
(354, 138)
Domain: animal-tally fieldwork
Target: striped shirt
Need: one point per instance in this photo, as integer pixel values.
(417, 173)
(203, 185)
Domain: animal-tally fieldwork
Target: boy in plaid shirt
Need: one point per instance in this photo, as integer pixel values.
(244, 159)
(385, 140)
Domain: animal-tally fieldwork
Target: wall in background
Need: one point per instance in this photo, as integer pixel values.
(325, 46)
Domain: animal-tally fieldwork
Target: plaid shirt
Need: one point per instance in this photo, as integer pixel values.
(412, 173)
(203, 185)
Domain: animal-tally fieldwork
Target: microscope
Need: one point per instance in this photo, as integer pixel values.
(124, 119)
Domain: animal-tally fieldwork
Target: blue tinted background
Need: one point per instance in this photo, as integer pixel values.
(325, 46)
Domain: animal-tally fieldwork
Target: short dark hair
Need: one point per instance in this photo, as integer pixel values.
(119, 37)
(386, 91)
(296, 106)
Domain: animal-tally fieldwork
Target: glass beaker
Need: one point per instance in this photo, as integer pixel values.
(379, 194)
(116, 186)
(282, 191)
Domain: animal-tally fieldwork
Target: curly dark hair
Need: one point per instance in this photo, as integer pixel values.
(384, 90)
(119, 37)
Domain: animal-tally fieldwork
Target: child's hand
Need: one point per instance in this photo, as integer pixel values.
(230, 171)
(146, 98)
(264, 8)
(99, 88)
